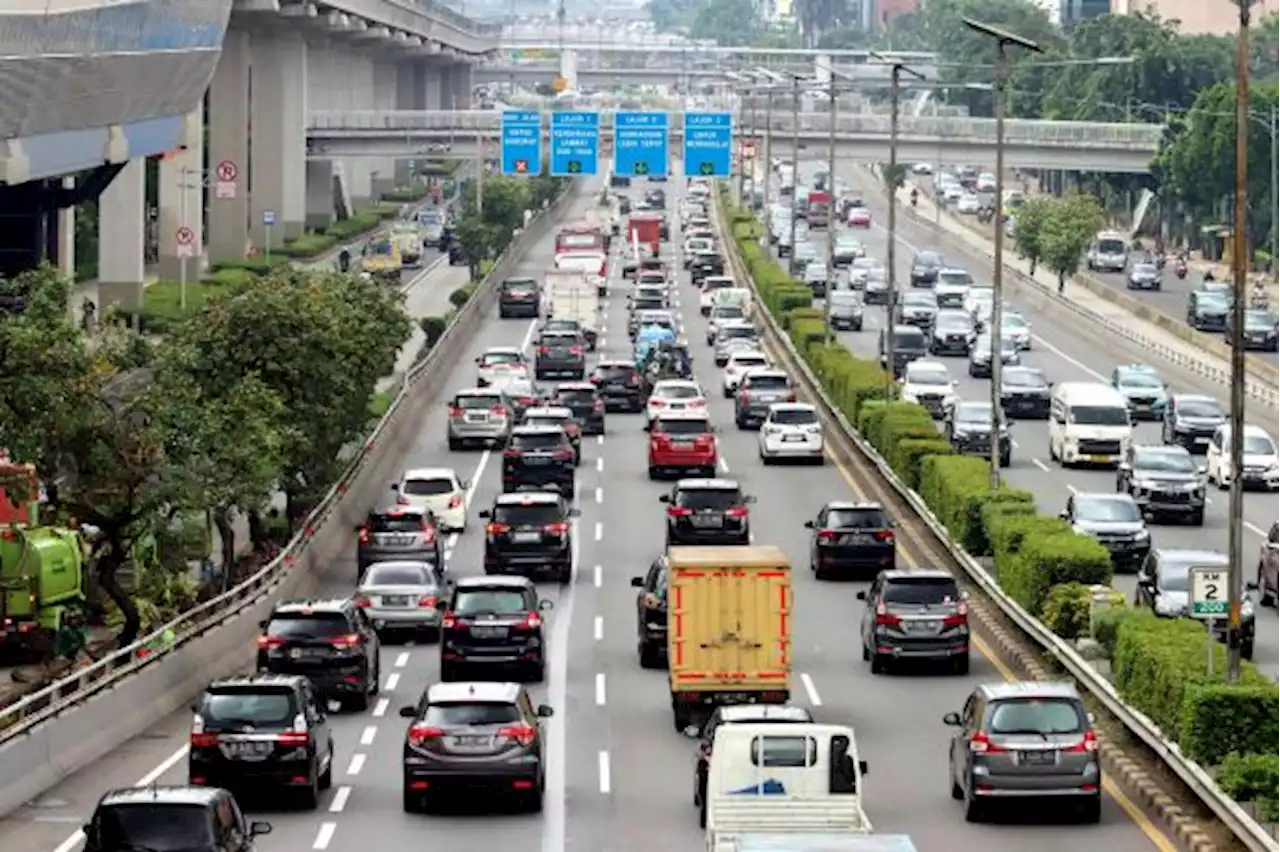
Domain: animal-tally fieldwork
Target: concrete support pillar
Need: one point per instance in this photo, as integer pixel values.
(181, 190)
(279, 111)
(357, 85)
(229, 143)
(121, 233)
(411, 94)
(462, 81)
(67, 234)
(320, 208)
(433, 87)
(386, 79)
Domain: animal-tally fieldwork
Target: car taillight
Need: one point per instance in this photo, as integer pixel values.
(1089, 743)
(455, 411)
(527, 400)
(364, 535)
(736, 512)
(511, 454)
(980, 743)
(203, 740)
(544, 350)
(633, 380)
(885, 536)
(564, 454)
(522, 734)
(884, 618)
(532, 621)
(455, 501)
(448, 621)
(657, 402)
(556, 528)
(270, 641)
(679, 512)
(494, 529)
(652, 601)
(791, 397)
(428, 602)
(428, 533)
(575, 350)
(419, 734)
(499, 410)
(350, 640)
(827, 536)
(697, 402)
(363, 602)
(294, 738)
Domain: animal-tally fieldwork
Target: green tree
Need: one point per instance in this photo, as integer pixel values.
(506, 198)
(894, 177)
(670, 16)
(1028, 226)
(1070, 224)
(731, 23)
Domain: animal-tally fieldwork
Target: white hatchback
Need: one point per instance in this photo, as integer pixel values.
(675, 395)
(499, 363)
(791, 431)
(1261, 468)
(741, 363)
(437, 490)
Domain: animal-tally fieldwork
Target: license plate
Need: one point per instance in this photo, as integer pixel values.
(400, 540)
(710, 520)
(471, 741)
(526, 537)
(1099, 459)
(305, 653)
(535, 460)
(682, 445)
(790, 439)
(1037, 758)
(247, 750)
(395, 600)
(679, 406)
(482, 632)
(924, 625)
(855, 538)
(1202, 440)
(477, 418)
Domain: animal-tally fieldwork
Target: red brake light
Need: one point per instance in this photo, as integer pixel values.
(456, 411)
(791, 397)
(884, 618)
(511, 454)
(1089, 743)
(652, 601)
(204, 740)
(575, 350)
(455, 501)
(679, 512)
(363, 603)
(528, 400)
(564, 454)
(350, 640)
(522, 734)
(419, 734)
(544, 350)
(558, 527)
(294, 738)
(736, 512)
(494, 529)
(500, 410)
(532, 621)
(827, 536)
(883, 535)
(364, 535)
(270, 641)
(657, 402)
(428, 532)
(448, 621)
(427, 602)
(980, 743)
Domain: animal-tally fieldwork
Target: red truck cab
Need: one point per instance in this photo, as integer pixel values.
(682, 442)
(646, 230)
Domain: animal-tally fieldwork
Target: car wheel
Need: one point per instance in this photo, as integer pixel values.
(454, 445)
(879, 665)
(326, 777)
(537, 671)
(960, 665)
(1005, 460)
(414, 803)
(448, 672)
(1197, 518)
(650, 655)
(1266, 597)
(1091, 810)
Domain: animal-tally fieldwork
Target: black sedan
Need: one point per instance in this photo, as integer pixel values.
(1024, 393)
(651, 614)
(851, 538)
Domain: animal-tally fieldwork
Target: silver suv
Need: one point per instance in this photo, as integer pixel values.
(481, 416)
(757, 392)
(1016, 741)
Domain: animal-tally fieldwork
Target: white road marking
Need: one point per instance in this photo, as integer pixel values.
(553, 834)
(812, 691)
(597, 576)
(600, 691)
(325, 835)
(599, 495)
(1072, 488)
(600, 462)
(724, 465)
(599, 530)
(1040, 465)
(599, 465)
(393, 680)
(606, 785)
(402, 659)
(380, 709)
(597, 629)
(367, 735)
(356, 764)
(339, 802)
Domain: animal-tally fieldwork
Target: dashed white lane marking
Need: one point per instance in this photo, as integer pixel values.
(600, 462)
(599, 495)
(599, 530)
(380, 709)
(393, 680)
(597, 576)
(367, 735)
(812, 691)
(356, 764)
(724, 465)
(339, 802)
(402, 659)
(1072, 488)
(599, 465)
(325, 835)
(600, 691)
(606, 785)
(597, 629)
(1040, 465)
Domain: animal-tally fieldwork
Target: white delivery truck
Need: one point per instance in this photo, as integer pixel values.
(593, 264)
(569, 294)
(800, 780)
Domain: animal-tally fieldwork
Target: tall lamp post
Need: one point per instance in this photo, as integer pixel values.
(1003, 40)
(795, 166)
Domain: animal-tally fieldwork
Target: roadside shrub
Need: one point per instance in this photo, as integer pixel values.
(1253, 778)
(910, 454)
(807, 332)
(306, 246)
(256, 265)
(1106, 626)
(1221, 718)
(461, 296)
(1068, 609)
(433, 329)
(1051, 553)
(792, 298)
(947, 484)
(869, 417)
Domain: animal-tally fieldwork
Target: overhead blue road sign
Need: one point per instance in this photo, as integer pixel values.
(708, 144)
(575, 143)
(640, 144)
(521, 142)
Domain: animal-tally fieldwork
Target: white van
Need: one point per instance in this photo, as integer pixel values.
(1260, 463)
(1108, 253)
(1088, 424)
(783, 778)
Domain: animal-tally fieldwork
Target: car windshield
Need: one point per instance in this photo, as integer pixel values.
(733, 312)
(519, 284)
(315, 625)
(154, 826)
(476, 402)
(676, 392)
(920, 591)
(1046, 716)
(750, 361)
(1107, 510)
(494, 601)
(395, 523)
(858, 519)
(973, 412)
(390, 574)
(920, 300)
(491, 358)
(1012, 321)
(737, 332)
(575, 396)
(471, 714)
(428, 487)
(259, 706)
(1212, 301)
(1176, 576)
(558, 338)
(648, 300)
(1098, 415)
(1259, 445)
(1163, 461)
(680, 426)
(380, 247)
(708, 498)
(1140, 380)
(908, 340)
(953, 277)
(846, 244)
(615, 371)
(534, 514)
(928, 258)
(1259, 320)
(1024, 379)
(537, 440)
(793, 416)
(767, 382)
(1207, 408)
(556, 420)
(1112, 246)
(956, 321)
(929, 376)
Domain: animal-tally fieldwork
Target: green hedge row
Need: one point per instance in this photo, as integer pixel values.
(1159, 664)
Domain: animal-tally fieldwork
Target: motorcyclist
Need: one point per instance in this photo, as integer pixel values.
(344, 260)
(1258, 298)
(915, 196)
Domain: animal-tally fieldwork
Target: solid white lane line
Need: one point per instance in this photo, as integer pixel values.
(724, 465)
(600, 692)
(325, 835)
(553, 834)
(599, 495)
(402, 659)
(380, 709)
(1072, 488)
(339, 802)
(597, 629)
(606, 784)
(597, 576)
(356, 764)
(600, 462)
(393, 680)
(812, 691)
(367, 735)
(599, 465)
(1040, 465)
(599, 530)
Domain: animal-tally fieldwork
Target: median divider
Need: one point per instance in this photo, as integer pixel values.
(51, 733)
(948, 537)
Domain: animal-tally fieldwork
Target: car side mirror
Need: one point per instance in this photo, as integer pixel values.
(545, 605)
(395, 486)
(1125, 467)
(484, 513)
(664, 498)
(862, 596)
(648, 427)
(544, 711)
(409, 712)
(637, 582)
(574, 513)
(952, 719)
(258, 827)
(809, 525)
(862, 767)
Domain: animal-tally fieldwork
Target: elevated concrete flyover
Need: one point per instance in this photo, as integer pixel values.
(1074, 146)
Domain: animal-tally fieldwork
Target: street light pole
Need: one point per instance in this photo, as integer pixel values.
(831, 205)
(742, 144)
(1003, 40)
(766, 162)
(795, 167)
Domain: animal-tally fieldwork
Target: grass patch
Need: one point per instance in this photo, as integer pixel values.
(381, 403)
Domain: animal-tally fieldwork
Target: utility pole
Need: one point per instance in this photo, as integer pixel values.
(767, 158)
(742, 145)
(795, 166)
(831, 205)
(742, 155)
(1003, 40)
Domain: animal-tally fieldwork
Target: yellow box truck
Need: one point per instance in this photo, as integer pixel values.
(728, 629)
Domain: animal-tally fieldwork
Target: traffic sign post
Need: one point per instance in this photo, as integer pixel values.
(268, 222)
(185, 238)
(575, 143)
(521, 142)
(1210, 599)
(226, 173)
(640, 144)
(708, 144)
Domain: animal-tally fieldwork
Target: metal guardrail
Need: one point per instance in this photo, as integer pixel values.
(981, 131)
(1247, 830)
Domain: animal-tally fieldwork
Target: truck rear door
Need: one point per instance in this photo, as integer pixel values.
(729, 626)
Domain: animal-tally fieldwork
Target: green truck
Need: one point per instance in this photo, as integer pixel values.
(42, 579)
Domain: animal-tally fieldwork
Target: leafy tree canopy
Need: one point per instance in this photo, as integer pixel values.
(1068, 226)
(730, 23)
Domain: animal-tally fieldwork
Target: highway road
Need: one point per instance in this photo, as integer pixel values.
(1065, 352)
(619, 778)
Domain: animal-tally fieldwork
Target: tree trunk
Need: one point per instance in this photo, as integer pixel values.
(1033, 267)
(257, 530)
(227, 539)
(109, 561)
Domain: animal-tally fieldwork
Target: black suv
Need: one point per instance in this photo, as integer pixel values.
(915, 616)
(586, 403)
(193, 819)
(705, 265)
(852, 537)
(494, 622)
(540, 458)
(925, 268)
(707, 511)
(651, 614)
(330, 642)
(1190, 421)
(519, 297)
(465, 736)
(560, 353)
(620, 385)
(397, 533)
(261, 729)
(529, 534)
(1207, 310)
(1165, 481)
(968, 429)
(1024, 393)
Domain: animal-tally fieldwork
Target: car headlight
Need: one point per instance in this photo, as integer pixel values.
(1144, 484)
(1142, 535)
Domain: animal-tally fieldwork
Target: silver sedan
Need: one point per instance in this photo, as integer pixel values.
(401, 596)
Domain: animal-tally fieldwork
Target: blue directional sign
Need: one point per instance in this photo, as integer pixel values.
(521, 142)
(575, 143)
(708, 144)
(640, 144)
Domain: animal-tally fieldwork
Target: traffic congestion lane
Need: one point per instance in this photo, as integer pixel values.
(897, 718)
(367, 765)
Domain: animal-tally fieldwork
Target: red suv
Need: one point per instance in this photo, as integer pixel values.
(679, 443)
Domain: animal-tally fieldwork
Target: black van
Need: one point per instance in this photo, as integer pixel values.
(909, 343)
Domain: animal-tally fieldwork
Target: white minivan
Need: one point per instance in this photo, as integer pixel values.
(1260, 464)
(1088, 424)
(783, 777)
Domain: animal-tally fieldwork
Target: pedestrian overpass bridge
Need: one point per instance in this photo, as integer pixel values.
(1067, 145)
